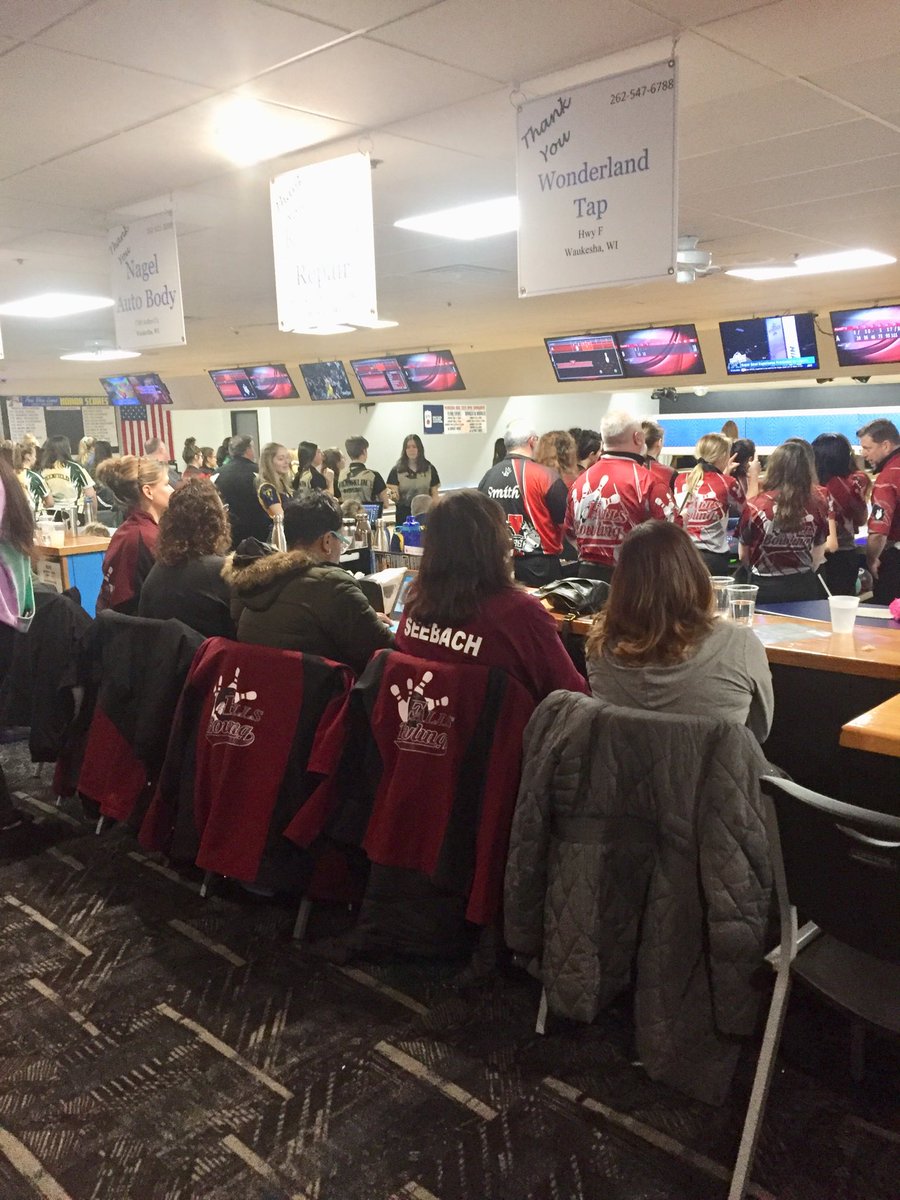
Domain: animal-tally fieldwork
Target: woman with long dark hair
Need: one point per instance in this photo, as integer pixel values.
(141, 486)
(784, 529)
(657, 645)
(310, 470)
(186, 580)
(68, 481)
(847, 490)
(412, 475)
(464, 606)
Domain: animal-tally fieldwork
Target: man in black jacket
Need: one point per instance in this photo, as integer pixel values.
(237, 485)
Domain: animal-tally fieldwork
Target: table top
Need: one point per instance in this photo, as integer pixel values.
(872, 649)
(877, 730)
(75, 544)
(817, 610)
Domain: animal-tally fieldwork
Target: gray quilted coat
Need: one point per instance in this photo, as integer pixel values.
(638, 854)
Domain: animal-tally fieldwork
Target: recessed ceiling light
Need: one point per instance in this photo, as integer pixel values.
(322, 330)
(378, 323)
(470, 221)
(100, 355)
(816, 264)
(54, 304)
(249, 131)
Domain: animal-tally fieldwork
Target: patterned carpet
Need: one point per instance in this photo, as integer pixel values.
(158, 1046)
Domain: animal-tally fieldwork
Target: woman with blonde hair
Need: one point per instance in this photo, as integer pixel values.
(86, 452)
(705, 497)
(275, 486)
(657, 646)
(559, 451)
(141, 486)
(784, 530)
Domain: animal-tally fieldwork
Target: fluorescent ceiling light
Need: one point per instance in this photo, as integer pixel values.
(249, 131)
(100, 355)
(816, 264)
(54, 304)
(485, 219)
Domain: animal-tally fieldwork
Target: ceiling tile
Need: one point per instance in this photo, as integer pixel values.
(368, 84)
(484, 126)
(873, 85)
(218, 43)
(846, 180)
(352, 14)
(688, 13)
(21, 19)
(512, 40)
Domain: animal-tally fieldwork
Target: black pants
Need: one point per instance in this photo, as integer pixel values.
(716, 564)
(887, 585)
(589, 570)
(534, 570)
(840, 571)
(782, 589)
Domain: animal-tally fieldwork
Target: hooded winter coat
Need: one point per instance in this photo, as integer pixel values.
(290, 601)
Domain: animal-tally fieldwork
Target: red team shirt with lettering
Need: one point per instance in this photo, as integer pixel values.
(610, 499)
(847, 504)
(885, 518)
(704, 513)
(782, 552)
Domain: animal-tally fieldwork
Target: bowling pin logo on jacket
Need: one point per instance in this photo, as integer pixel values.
(423, 723)
(232, 721)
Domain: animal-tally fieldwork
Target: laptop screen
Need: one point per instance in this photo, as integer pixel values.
(400, 601)
(373, 512)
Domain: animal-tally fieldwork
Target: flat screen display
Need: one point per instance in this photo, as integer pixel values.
(379, 376)
(770, 344)
(431, 371)
(269, 381)
(136, 389)
(326, 381)
(591, 356)
(652, 353)
(865, 337)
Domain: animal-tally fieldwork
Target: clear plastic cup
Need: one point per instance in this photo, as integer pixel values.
(721, 584)
(57, 535)
(742, 602)
(843, 613)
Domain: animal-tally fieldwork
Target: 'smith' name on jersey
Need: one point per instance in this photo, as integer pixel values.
(504, 493)
(455, 639)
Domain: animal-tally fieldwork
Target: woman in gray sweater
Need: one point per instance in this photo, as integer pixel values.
(657, 645)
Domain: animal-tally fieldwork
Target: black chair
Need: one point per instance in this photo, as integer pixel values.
(839, 865)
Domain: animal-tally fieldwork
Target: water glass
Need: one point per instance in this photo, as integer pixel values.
(843, 613)
(742, 602)
(721, 584)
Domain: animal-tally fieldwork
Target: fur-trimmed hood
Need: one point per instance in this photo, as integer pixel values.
(255, 568)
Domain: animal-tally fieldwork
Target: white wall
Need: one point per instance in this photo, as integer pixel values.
(210, 426)
(461, 459)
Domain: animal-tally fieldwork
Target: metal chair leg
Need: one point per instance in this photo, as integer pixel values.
(204, 886)
(98, 828)
(302, 919)
(540, 1025)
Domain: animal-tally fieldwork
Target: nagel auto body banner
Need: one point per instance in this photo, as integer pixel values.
(146, 283)
(597, 183)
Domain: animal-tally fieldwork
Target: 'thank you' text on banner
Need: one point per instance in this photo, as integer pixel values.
(596, 172)
(323, 236)
(146, 283)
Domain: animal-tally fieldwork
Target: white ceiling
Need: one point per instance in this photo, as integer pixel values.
(789, 143)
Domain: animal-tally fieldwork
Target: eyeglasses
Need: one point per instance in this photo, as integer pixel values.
(341, 537)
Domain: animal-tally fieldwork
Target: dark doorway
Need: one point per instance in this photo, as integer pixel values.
(245, 421)
(65, 422)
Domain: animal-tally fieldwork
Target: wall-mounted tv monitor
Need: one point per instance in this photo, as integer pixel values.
(269, 381)
(379, 376)
(865, 337)
(147, 388)
(651, 353)
(589, 356)
(431, 371)
(770, 344)
(326, 381)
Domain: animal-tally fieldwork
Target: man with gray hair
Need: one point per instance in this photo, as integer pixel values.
(237, 485)
(613, 496)
(534, 500)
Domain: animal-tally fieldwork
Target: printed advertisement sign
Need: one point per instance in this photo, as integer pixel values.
(146, 283)
(323, 236)
(597, 183)
(454, 418)
(433, 418)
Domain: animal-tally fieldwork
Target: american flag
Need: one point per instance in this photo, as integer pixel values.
(139, 423)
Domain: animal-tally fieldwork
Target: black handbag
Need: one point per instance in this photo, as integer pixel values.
(575, 596)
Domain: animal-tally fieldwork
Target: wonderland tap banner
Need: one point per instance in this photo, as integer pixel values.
(146, 283)
(596, 172)
(324, 241)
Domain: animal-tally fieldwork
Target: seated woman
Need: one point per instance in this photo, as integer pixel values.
(657, 646)
(301, 599)
(24, 459)
(465, 607)
(705, 497)
(186, 581)
(67, 480)
(784, 530)
(141, 486)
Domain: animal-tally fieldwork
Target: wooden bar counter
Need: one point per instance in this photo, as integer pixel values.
(876, 731)
(77, 563)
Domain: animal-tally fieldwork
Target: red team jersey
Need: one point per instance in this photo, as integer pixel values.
(611, 498)
(847, 505)
(704, 513)
(781, 552)
(885, 518)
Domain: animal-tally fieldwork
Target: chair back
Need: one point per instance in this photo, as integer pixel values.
(841, 866)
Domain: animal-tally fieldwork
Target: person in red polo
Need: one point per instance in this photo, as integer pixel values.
(880, 443)
(613, 496)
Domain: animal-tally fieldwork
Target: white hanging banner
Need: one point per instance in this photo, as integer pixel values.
(596, 171)
(146, 283)
(323, 235)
